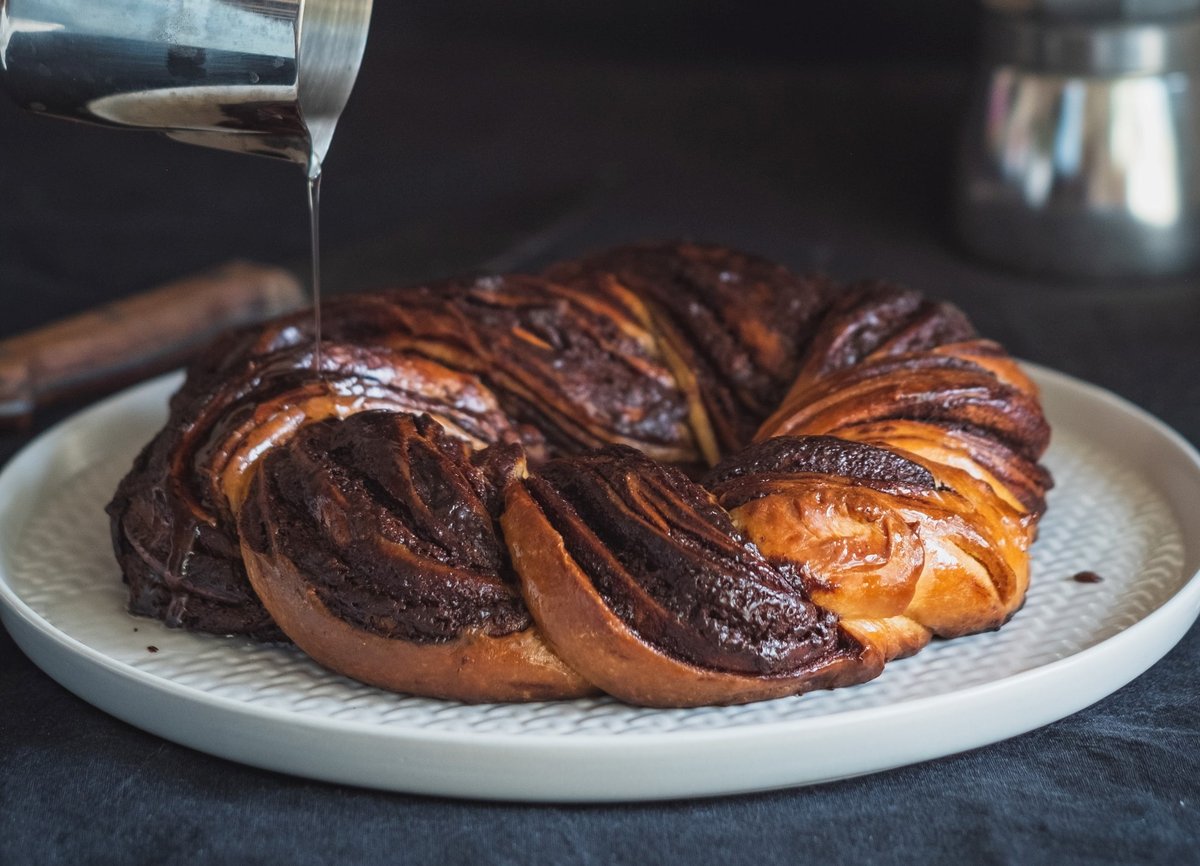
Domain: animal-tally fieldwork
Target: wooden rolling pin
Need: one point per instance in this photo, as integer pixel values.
(102, 349)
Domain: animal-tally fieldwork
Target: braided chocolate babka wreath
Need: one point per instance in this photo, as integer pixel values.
(675, 473)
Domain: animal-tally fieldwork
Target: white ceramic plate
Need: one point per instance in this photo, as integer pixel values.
(1127, 506)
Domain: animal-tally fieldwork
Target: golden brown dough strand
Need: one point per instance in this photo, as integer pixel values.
(964, 412)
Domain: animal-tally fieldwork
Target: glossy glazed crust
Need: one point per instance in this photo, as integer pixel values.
(581, 627)
(731, 326)
(372, 543)
(965, 413)
(474, 667)
(890, 494)
(173, 515)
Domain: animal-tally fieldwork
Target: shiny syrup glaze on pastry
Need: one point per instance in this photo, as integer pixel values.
(173, 527)
(823, 455)
(515, 483)
(735, 323)
(394, 522)
(669, 563)
(579, 370)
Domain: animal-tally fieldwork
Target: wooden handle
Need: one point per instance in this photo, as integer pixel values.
(136, 336)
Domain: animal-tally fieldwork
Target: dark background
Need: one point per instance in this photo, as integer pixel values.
(496, 134)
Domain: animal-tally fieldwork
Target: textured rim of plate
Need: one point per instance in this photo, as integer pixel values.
(589, 766)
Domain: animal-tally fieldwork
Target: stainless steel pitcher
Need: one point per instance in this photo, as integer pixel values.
(1081, 154)
(255, 76)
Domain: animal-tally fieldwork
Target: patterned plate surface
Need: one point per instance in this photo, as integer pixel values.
(1126, 506)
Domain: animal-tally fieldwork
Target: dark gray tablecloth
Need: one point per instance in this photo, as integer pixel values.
(476, 150)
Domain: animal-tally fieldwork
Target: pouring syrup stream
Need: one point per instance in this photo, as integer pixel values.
(314, 219)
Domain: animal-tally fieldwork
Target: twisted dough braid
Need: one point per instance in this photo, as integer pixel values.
(497, 489)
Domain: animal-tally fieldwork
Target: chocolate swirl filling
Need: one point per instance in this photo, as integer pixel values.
(938, 389)
(736, 322)
(668, 562)
(875, 317)
(173, 527)
(748, 474)
(393, 523)
(676, 350)
(574, 367)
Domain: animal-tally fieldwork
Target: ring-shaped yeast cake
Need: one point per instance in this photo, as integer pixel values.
(674, 473)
